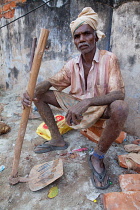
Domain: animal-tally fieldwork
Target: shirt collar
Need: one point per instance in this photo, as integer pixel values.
(96, 57)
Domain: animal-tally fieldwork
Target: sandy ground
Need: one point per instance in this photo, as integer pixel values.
(74, 186)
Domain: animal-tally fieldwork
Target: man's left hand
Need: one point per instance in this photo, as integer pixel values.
(74, 114)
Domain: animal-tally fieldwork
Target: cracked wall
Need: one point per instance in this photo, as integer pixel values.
(121, 26)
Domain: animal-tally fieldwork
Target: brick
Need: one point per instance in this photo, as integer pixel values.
(8, 1)
(129, 182)
(9, 14)
(20, 1)
(7, 8)
(94, 133)
(96, 130)
(12, 5)
(121, 137)
(1, 9)
(122, 200)
(90, 135)
(122, 163)
(100, 124)
(16, 1)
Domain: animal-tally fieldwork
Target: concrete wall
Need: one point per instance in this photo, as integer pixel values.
(125, 41)
(121, 25)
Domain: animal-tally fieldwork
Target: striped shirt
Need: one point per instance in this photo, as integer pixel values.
(104, 76)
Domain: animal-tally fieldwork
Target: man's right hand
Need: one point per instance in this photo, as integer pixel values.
(40, 89)
(26, 100)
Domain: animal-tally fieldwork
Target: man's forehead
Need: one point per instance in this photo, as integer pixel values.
(83, 28)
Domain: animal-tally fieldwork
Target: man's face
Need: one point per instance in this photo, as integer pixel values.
(85, 39)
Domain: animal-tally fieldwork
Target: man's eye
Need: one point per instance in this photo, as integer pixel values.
(87, 33)
(76, 36)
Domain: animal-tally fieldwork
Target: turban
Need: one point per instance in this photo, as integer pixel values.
(87, 16)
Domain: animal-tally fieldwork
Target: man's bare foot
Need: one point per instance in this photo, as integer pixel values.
(99, 177)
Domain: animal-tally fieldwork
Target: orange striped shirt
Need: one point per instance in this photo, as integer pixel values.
(104, 76)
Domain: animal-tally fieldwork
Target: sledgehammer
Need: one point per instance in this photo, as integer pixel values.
(14, 178)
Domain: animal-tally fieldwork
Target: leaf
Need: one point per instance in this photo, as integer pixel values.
(53, 192)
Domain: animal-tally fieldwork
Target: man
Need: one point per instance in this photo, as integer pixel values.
(97, 91)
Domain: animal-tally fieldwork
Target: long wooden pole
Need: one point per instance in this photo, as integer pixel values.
(25, 115)
(32, 52)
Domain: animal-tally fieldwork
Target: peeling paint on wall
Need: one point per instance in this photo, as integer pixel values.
(121, 25)
(126, 25)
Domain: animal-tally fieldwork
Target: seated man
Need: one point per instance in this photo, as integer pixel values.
(97, 91)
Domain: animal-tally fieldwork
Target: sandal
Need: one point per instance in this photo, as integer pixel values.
(43, 148)
(100, 176)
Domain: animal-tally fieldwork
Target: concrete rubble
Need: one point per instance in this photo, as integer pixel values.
(75, 188)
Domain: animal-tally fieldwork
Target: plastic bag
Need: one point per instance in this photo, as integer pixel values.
(44, 132)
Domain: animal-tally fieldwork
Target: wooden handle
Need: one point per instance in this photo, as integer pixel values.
(30, 89)
(33, 51)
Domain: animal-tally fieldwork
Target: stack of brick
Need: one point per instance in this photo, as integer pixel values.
(93, 133)
(132, 159)
(7, 8)
(129, 198)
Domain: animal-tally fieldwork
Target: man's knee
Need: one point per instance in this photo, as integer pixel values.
(119, 108)
(47, 98)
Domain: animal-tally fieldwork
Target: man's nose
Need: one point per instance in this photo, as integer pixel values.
(82, 38)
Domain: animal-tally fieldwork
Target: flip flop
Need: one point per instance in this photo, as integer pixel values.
(42, 148)
(100, 176)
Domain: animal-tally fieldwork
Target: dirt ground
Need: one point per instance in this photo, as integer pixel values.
(75, 186)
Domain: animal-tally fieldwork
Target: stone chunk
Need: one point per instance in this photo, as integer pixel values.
(130, 182)
(127, 161)
(122, 200)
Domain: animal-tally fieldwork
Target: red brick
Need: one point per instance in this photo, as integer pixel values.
(90, 135)
(5, 1)
(20, 1)
(121, 137)
(9, 14)
(12, 5)
(16, 1)
(1, 9)
(8, 1)
(6, 7)
(122, 200)
(9, 6)
(100, 123)
(130, 182)
(96, 130)
(122, 163)
(94, 134)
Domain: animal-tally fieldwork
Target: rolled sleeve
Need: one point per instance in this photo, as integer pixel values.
(62, 79)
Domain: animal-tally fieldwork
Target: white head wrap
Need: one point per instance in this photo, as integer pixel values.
(87, 16)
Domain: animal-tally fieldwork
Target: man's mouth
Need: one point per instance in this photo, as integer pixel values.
(83, 45)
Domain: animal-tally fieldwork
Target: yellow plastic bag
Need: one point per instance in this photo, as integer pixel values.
(44, 132)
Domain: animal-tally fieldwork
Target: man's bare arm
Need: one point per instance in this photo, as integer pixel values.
(42, 87)
(74, 114)
(106, 99)
(39, 90)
